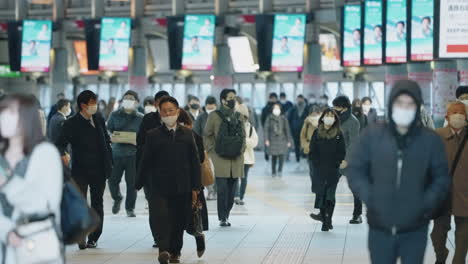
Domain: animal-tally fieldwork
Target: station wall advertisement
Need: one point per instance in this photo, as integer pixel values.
(199, 33)
(422, 30)
(330, 53)
(115, 44)
(373, 32)
(351, 55)
(288, 43)
(396, 32)
(241, 54)
(453, 29)
(82, 57)
(36, 45)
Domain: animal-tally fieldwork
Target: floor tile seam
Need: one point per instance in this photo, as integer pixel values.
(310, 243)
(345, 242)
(238, 244)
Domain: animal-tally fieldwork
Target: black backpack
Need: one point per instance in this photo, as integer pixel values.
(230, 139)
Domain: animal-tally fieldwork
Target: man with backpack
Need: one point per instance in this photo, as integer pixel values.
(224, 138)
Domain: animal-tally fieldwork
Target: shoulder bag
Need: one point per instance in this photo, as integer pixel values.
(206, 167)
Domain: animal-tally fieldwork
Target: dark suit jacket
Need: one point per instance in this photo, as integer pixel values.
(150, 121)
(55, 126)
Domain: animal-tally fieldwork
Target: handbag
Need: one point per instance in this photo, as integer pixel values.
(195, 226)
(207, 171)
(40, 243)
(77, 218)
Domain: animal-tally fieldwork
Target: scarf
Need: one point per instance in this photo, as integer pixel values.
(327, 134)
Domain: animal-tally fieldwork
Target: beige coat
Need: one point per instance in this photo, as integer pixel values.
(306, 135)
(224, 168)
(460, 178)
(251, 141)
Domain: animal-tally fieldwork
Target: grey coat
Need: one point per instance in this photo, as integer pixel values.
(277, 131)
(200, 123)
(224, 168)
(350, 127)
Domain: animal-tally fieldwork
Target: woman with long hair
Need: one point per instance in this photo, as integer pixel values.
(327, 153)
(356, 108)
(30, 179)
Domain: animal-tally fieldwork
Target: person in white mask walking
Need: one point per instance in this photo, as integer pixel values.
(123, 125)
(400, 170)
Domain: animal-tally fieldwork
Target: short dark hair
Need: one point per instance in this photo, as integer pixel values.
(132, 93)
(61, 103)
(29, 121)
(282, 94)
(148, 100)
(160, 94)
(342, 101)
(275, 95)
(192, 97)
(210, 100)
(365, 99)
(225, 92)
(168, 99)
(84, 98)
(461, 90)
(61, 94)
(184, 118)
(301, 96)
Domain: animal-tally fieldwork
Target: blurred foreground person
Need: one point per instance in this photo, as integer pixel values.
(170, 160)
(454, 137)
(91, 164)
(327, 154)
(30, 185)
(400, 171)
(151, 120)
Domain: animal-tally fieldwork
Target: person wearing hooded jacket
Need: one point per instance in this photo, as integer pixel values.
(457, 201)
(400, 170)
(351, 127)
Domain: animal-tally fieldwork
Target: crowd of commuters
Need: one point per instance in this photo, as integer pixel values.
(405, 171)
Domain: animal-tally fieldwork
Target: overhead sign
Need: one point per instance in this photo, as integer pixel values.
(351, 55)
(396, 34)
(422, 30)
(453, 29)
(373, 32)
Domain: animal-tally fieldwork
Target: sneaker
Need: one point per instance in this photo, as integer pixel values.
(357, 219)
(116, 206)
(237, 201)
(163, 257)
(174, 259)
(241, 202)
(91, 244)
(131, 213)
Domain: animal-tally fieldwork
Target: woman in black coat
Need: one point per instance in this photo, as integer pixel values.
(327, 153)
(185, 120)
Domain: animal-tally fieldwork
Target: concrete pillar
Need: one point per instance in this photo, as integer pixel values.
(20, 9)
(138, 80)
(59, 60)
(422, 74)
(97, 8)
(265, 6)
(445, 83)
(312, 73)
(178, 7)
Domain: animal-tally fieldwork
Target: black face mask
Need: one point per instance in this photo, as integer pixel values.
(195, 106)
(301, 103)
(231, 104)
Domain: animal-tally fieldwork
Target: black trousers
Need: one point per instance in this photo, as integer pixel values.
(357, 206)
(171, 214)
(96, 183)
(386, 248)
(442, 226)
(226, 188)
(123, 165)
(297, 148)
(277, 159)
(151, 210)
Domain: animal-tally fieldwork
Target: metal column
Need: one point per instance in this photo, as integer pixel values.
(137, 75)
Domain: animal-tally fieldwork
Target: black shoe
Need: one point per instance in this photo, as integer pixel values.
(228, 224)
(200, 245)
(174, 259)
(116, 206)
(316, 217)
(241, 202)
(91, 244)
(325, 227)
(163, 257)
(131, 213)
(82, 246)
(155, 245)
(356, 220)
(223, 223)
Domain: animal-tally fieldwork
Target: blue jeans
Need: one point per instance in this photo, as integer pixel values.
(240, 192)
(409, 247)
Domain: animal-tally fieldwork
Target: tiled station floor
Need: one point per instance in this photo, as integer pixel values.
(273, 227)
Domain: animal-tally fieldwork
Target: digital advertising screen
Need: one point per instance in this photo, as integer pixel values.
(241, 54)
(352, 31)
(422, 30)
(115, 44)
(82, 57)
(397, 28)
(453, 29)
(373, 32)
(288, 43)
(330, 53)
(36, 45)
(199, 33)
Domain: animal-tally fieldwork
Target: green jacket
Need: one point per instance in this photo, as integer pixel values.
(224, 168)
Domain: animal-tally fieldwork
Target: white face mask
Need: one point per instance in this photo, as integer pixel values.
(209, 111)
(403, 117)
(150, 109)
(329, 120)
(92, 109)
(457, 121)
(9, 122)
(170, 121)
(366, 108)
(128, 104)
(276, 112)
(68, 112)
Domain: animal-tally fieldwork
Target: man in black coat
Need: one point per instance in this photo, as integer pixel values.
(90, 143)
(150, 121)
(170, 159)
(296, 118)
(400, 171)
(56, 122)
